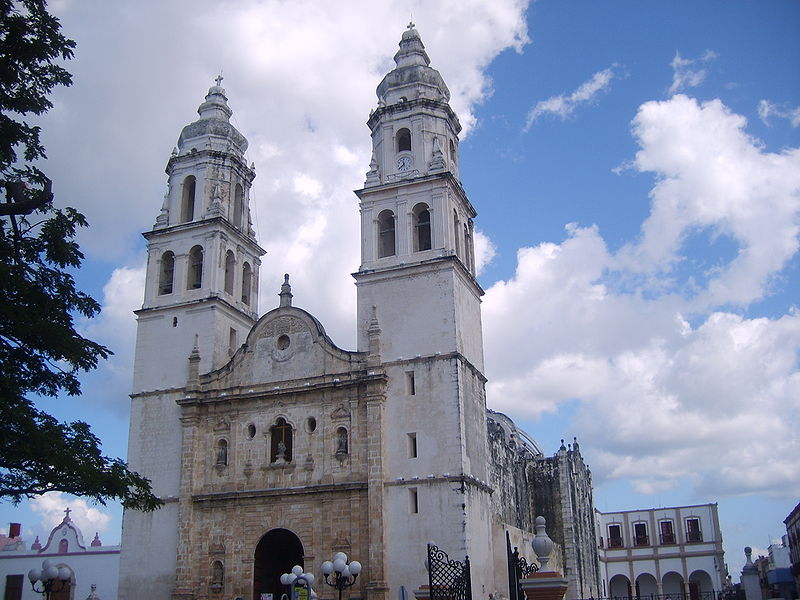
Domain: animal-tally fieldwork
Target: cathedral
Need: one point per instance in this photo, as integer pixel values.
(271, 446)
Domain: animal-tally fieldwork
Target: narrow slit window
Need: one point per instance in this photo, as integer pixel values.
(412, 445)
(411, 385)
(413, 501)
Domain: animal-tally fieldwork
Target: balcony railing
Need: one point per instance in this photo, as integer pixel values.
(615, 542)
(641, 540)
(694, 536)
(667, 539)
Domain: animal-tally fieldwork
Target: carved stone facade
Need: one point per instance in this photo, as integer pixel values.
(270, 445)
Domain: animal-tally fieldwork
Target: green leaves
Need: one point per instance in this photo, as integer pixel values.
(40, 351)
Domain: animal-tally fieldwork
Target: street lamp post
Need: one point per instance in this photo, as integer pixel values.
(298, 583)
(344, 574)
(50, 578)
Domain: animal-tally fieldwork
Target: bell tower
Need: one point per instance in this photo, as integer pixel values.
(417, 277)
(203, 261)
(200, 302)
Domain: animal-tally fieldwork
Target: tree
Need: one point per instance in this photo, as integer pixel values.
(41, 353)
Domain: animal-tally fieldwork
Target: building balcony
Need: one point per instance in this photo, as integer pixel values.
(667, 539)
(694, 536)
(641, 540)
(615, 542)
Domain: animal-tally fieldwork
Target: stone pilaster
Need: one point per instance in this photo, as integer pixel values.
(377, 587)
(183, 568)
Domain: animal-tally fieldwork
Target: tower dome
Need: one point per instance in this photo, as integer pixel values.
(213, 129)
(413, 77)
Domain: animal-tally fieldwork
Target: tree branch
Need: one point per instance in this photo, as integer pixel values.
(16, 202)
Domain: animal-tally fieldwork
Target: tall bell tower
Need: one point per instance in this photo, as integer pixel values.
(417, 276)
(202, 257)
(200, 299)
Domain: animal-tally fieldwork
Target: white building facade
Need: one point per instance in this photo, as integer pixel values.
(89, 565)
(673, 553)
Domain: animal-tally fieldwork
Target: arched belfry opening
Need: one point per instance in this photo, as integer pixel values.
(276, 553)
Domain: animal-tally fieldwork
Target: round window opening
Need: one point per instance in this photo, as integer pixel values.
(283, 342)
(312, 424)
(251, 431)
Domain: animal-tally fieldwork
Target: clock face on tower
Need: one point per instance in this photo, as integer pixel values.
(404, 163)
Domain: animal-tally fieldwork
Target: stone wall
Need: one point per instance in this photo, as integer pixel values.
(527, 484)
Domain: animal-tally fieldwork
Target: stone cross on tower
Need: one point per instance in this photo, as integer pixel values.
(66, 512)
(218, 80)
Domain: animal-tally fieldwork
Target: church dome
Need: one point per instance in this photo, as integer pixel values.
(413, 68)
(213, 124)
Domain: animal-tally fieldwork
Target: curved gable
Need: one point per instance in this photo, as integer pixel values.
(287, 343)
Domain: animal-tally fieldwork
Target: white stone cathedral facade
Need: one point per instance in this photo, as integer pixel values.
(270, 445)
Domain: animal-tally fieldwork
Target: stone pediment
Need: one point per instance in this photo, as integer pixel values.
(287, 344)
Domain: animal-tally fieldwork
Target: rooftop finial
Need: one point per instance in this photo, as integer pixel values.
(410, 23)
(66, 512)
(286, 292)
(219, 79)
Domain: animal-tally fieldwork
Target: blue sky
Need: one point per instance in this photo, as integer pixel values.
(636, 171)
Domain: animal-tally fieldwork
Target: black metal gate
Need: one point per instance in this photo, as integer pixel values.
(448, 579)
(518, 568)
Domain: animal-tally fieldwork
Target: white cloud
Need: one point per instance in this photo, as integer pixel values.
(485, 251)
(767, 109)
(51, 507)
(564, 105)
(689, 72)
(300, 94)
(711, 176)
(662, 401)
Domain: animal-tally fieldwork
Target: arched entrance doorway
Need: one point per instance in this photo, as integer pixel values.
(276, 553)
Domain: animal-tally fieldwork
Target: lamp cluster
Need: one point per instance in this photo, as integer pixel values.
(343, 574)
(296, 577)
(338, 573)
(50, 578)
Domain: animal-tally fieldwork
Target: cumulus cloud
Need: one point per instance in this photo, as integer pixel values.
(51, 508)
(672, 386)
(767, 109)
(712, 176)
(689, 72)
(300, 94)
(564, 105)
(485, 251)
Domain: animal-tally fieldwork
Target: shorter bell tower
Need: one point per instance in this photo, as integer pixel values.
(202, 257)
